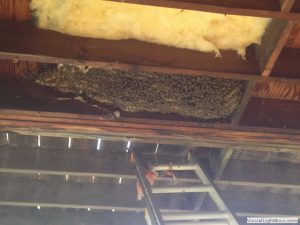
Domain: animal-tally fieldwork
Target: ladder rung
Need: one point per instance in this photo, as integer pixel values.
(178, 216)
(196, 223)
(196, 188)
(175, 167)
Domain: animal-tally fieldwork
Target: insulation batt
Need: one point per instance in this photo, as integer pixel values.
(201, 31)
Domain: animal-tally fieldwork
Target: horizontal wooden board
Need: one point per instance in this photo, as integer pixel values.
(36, 44)
(294, 39)
(17, 10)
(272, 113)
(154, 130)
(277, 90)
(287, 65)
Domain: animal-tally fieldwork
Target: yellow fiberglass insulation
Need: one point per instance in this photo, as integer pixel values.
(202, 31)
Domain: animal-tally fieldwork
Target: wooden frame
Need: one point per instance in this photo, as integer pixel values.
(151, 130)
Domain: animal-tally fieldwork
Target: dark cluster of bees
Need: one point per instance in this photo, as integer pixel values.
(135, 91)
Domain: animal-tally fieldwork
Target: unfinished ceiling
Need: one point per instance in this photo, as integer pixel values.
(91, 98)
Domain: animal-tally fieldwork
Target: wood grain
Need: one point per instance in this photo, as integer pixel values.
(17, 10)
(294, 39)
(10, 69)
(277, 90)
(165, 131)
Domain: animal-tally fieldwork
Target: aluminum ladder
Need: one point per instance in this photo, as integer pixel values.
(222, 216)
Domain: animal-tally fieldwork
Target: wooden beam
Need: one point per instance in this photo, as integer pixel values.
(21, 191)
(274, 40)
(221, 162)
(264, 203)
(86, 165)
(244, 103)
(286, 5)
(155, 131)
(267, 8)
(264, 112)
(277, 90)
(23, 41)
(17, 10)
(27, 215)
(261, 172)
(284, 66)
(17, 43)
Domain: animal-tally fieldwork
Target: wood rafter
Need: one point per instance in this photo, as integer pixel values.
(268, 8)
(162, 131)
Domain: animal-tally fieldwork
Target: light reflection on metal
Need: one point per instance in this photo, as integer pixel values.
(70, 142)
(99, 144)
(120, 180)
(156, 149)
(39, 140)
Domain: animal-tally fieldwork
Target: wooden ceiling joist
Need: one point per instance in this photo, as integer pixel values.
(21, 41)
(147, 130)
(266, 8)
(59, 162)
(17, 191)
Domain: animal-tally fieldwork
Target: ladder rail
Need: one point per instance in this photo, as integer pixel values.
(154, 213)
(215, 195)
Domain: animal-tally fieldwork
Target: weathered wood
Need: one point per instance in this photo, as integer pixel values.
(277, 90)
(267, 8)
(244, 102)
(248, 171)
(17, 10)
(272, 113)
(221, 163)
(86, 165)
(287, 65)
(65, 160)
(264, 203)
(156, 131)
(24, 42)
(61, 194)
(273, 42)
(294, 39)
(10, 69)
(286, 5)
(27, 42)
(20, 215)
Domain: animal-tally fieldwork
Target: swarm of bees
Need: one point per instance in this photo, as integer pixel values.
(200, 97)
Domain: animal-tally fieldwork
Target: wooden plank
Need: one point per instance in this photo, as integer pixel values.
(286, 5)
(274, 40)
(272, 113)
(22, 191)
(10, 69)
(277, 90)
(27, 42)
(16, 43)
(61, 193)
(243, 105)
(267, 8)
(162, 132)
(86, 165)
(17, 10)
(294, 39)
(22, 215)
(272, 44)
(64, 160)
(165, 131)
(260, 172)
(221, 163)
(264, 203)
(284, 67)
